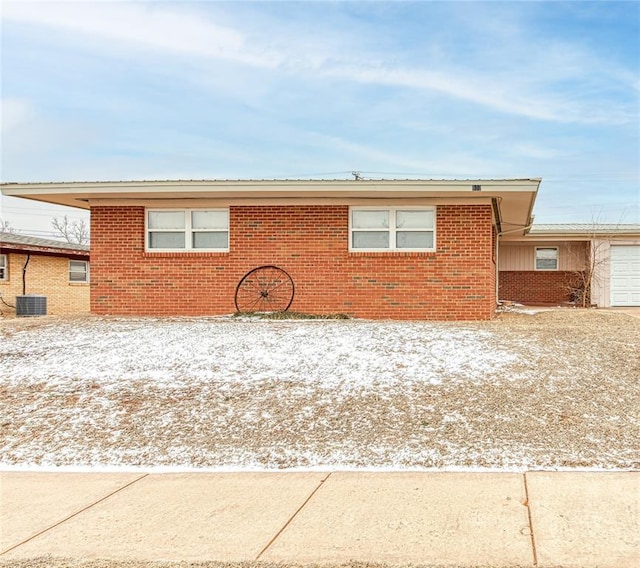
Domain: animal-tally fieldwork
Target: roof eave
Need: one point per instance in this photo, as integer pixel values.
(516, 196)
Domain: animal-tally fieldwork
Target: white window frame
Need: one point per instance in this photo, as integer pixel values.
(4, 267)
(392, 227)
(535, 259)
(86, 272)
(188, 230)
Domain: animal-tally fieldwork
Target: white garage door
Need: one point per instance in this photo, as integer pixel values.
(625, 275)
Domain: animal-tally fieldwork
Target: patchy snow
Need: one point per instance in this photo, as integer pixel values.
(517, 308)
(224, 394)
(341, 356)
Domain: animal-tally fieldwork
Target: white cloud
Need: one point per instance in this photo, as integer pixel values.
(151, 26)
(184, 31)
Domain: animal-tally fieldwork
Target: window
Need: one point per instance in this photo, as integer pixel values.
(78, 271)
(4, 267)
(392, 228)
(188, 230)
(546, 258)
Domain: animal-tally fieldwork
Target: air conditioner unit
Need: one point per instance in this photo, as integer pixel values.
(31, 305)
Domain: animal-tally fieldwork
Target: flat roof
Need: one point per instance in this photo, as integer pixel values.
(514, 198)
(584, 229)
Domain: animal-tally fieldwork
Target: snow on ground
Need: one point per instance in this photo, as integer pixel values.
(548, 390)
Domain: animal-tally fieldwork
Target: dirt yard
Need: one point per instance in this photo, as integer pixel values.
(556, 389)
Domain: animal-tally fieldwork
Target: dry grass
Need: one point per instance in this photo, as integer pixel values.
(570, 398)
(51, 562)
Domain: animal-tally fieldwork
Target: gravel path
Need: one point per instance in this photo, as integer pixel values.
(558, 389)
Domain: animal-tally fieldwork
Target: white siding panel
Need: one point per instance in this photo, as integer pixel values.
(517, 256)
(601, 284)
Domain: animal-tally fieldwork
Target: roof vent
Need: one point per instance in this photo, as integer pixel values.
(31, 305)
(476, 187)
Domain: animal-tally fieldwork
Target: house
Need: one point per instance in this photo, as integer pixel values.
(57, 270)
(399, 249)
(552, 264)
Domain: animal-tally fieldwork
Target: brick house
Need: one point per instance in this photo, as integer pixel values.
(400, 249)
(57, 270)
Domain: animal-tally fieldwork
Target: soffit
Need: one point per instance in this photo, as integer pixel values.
(515, 198)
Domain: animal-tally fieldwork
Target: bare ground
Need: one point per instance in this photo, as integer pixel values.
(567, 396)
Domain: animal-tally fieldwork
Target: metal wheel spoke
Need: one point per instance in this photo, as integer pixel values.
(266, 288)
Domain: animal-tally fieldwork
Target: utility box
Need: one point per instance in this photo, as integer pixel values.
(31, 305)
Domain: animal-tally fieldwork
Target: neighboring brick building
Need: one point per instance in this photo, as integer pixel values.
(400, 249)
(57, 270)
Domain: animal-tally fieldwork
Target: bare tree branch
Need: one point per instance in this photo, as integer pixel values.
(5, 227)
(592, 259)
(75, 232)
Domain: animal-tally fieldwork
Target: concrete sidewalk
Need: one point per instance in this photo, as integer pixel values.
(467, 519)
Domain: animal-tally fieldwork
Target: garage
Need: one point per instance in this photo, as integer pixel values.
(625, 275)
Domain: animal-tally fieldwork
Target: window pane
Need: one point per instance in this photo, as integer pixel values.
(166, 219)
(166, 240)
(371, 239)
(370, 219)
(550, 253)
(546, 259)
(546, 263)
(209, 220)
(211, 240)
(414, 239)
(77, 265)
(414, 219)
(78, 270)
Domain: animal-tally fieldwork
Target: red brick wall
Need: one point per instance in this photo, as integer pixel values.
(536, 287)
(457, 282)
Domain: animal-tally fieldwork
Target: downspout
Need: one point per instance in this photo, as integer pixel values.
(24, 274)
(497, 270)
(496, 213)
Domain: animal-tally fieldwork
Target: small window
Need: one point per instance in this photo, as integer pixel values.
(78, 271)
(546, 258)
(386, 229)
(4, 267)
(188, 230)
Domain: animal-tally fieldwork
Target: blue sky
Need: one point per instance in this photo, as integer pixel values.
(192, 90)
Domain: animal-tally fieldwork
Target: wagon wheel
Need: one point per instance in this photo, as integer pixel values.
(264, 289)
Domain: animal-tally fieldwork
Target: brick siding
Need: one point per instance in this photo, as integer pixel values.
(46, 276)
(537, 287)
(457, 282)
